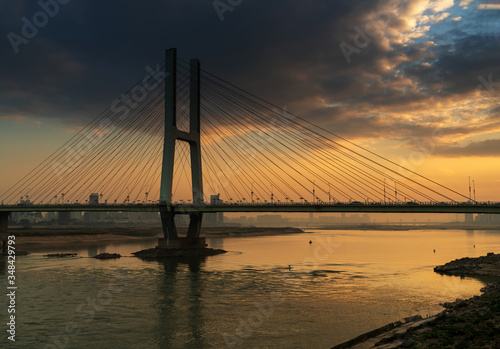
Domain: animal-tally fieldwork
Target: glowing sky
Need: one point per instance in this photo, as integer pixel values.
(417, 81)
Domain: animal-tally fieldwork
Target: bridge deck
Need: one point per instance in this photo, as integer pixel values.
(186, 209)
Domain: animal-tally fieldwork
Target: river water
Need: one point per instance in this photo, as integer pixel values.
(341, 285)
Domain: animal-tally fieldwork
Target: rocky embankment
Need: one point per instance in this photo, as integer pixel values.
(488, 265)
(389, 336)
(471, 323)
(158, 253)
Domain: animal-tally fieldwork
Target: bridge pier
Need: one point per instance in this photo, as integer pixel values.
(172, 239)
(194, 225)
(167, 222)
(4, 230)
(182, 243)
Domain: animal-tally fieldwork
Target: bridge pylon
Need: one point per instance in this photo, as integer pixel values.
(172, 133)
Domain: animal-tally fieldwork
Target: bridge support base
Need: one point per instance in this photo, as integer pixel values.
(182, 243)
(167, 222)
(4, 230)
(171, 238)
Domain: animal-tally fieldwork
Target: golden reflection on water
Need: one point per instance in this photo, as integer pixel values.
(341, 285)
(386, 251)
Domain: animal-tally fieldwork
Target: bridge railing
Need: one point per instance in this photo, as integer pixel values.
(280, 203)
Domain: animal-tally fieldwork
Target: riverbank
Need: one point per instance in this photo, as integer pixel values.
(43, 238)
(404, 227)
(471, 323)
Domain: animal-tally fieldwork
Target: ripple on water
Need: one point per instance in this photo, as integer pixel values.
(192, 304)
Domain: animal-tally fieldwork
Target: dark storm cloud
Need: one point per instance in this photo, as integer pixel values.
(92, 51)
(456, 69)
(84, 57)
(288, 52)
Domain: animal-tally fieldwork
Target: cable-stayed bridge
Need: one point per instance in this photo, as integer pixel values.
(182, 134)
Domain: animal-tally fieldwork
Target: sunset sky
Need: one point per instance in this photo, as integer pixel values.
(417, 81)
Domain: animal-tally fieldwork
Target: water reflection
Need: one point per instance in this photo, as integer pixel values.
(196, 319)
(181, 322)
(216, 243)
(92, 251)
(369, 279)
(490, 232)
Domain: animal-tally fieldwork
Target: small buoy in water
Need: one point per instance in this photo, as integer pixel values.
(289, 267)
(474, 246)
(434, 251)
(310, 241)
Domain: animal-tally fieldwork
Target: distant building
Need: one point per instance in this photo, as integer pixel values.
(117, 217)
(94, 199)
(487, 219)
(143, 217)
(151, 217)
(31, 217)
(351, 219)
(469, 218)
(50, 216)
(75, 216)
(64, 218)
(215, 218)
(271, 220)
(181, 220)
(92, 217)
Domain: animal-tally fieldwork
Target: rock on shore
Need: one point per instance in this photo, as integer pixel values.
(471, 323)
(108, 256)
(60, 255)
(389, 336)
(156, 253)
(488, 265)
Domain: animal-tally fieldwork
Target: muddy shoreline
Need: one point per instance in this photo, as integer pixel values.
(406, 227)
(53, 239)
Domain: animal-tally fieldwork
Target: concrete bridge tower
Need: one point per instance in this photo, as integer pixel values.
(172, 133)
